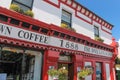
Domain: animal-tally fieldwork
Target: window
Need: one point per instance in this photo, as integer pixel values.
(96, 31)
(66, 18)
(24, 4)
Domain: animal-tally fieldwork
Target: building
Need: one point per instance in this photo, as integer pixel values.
(32, 46)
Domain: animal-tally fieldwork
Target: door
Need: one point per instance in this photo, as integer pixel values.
(69, 67)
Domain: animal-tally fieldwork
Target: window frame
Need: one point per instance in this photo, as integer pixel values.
(96, 31)
(65, 22)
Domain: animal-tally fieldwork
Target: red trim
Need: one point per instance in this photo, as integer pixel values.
(82, 18)
(22, 43)
(50, 59)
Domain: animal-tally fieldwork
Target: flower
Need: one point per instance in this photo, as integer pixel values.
(15, 7)
(65, 26)
(84, 72)
(62, 74)
(99, 39)
(53, 72)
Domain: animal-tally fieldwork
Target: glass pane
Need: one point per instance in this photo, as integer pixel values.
(96, 31)
(24, 8)
(66, 16)
(25, 2)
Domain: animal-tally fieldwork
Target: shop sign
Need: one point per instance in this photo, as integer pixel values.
(17, 33)
(78, 47)
(25, 35)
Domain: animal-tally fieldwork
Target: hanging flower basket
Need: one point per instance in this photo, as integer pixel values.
(63, 73)
(84, 73)
(53, 73)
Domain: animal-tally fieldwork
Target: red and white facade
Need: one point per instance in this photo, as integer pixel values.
(50, 44)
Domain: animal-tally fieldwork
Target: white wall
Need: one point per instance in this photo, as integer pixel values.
(46, 13)
(5, 3)
(50, 14)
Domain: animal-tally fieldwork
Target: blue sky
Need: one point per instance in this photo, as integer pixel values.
(108, 10)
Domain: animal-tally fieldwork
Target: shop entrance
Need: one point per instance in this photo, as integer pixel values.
(65, 62)
(16, 66)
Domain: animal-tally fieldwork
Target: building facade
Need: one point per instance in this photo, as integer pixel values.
(29, 47)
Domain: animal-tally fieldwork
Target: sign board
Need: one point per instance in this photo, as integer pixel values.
(26, 35)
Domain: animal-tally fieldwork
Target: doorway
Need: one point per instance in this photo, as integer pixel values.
(69, 67)
(65, 62)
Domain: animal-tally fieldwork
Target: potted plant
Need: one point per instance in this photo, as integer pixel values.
(65, 26)
(15, 7)
(29, 13)
(62, 74)
(99, 39)
(53, 73)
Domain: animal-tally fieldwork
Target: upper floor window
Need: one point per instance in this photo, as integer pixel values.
(24, 4)
(96, 31)
(66, 18)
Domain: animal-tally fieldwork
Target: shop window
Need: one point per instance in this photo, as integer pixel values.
(3, 18)
(99, 71)
(14, 21)
(25, 25)
(96, 31)
(36, 28)
(24, 4)
(66, 18)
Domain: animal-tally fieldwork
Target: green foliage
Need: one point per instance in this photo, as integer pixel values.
(99, 39)
(65, 26)
(118, 60)
(84, 72)
(62, 74)
(53, 72)
(15, 7)
(29, 13)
